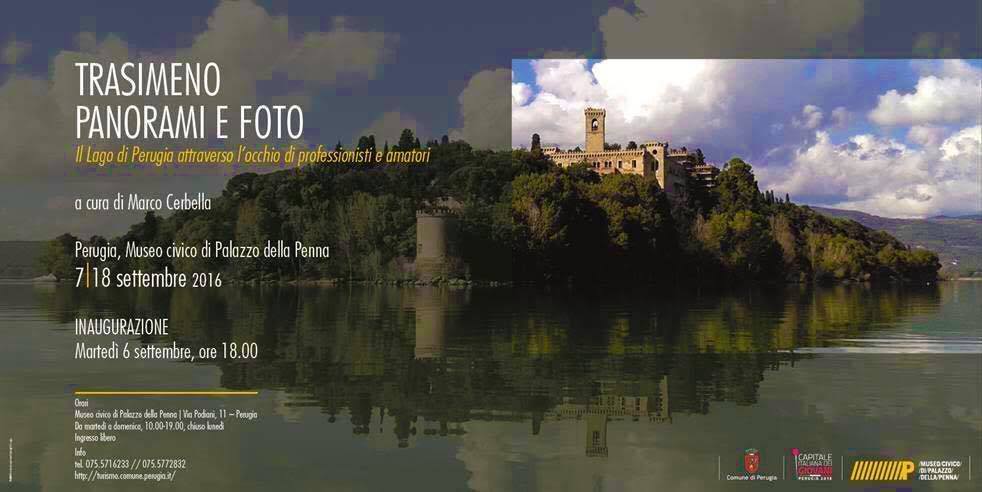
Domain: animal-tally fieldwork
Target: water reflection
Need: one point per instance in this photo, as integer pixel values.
(421, 362)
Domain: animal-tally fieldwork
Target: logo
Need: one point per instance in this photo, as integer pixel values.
(938, 470)
(751, 460)
(882, 470)
(812, 466)
(751, 471)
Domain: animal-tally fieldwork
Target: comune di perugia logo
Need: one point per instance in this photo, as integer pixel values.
(882, 470)
(751, 460)
(751, 469)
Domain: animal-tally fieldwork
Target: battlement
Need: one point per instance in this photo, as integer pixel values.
(670, 166)
(595, 126)
(603, 153)
(443, 207)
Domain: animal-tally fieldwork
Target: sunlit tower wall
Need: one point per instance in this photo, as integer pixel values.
(436, 238)
(595, 122)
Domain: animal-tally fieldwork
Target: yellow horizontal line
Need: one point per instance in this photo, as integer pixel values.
(166, 393)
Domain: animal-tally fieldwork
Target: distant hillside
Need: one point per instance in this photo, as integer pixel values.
(957, 240)
(19, 259)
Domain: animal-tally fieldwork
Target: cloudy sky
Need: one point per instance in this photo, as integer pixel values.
(898, 138)
(375, 67)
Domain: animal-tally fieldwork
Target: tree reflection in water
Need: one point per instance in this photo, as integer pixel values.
(423, 361)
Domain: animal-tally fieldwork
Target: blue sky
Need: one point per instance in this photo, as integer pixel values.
(890, 137)
(874, 78)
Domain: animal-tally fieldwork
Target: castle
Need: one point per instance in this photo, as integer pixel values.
(671, 167)
(436, 239)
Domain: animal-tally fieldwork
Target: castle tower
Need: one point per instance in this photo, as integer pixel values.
(436, 237)
(595, 124)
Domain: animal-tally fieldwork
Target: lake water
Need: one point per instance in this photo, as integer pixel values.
(496, 389)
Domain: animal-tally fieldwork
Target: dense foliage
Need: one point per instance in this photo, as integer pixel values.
(522, 218)
(956, 240)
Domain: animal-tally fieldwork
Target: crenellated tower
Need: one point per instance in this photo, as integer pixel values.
(595, 124)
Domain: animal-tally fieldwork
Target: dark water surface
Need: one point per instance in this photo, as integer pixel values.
(494, 389)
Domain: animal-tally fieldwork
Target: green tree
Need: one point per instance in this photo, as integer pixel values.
(248, 232)
(636, 209)
(194, 233)
(406, 140)
(57, 258)
(742, 243)
(838, 257)
(736, 188)
(370, 231)
(555, 224)
(522, 215)
(921, 264)
(583, 172)
(786, 237)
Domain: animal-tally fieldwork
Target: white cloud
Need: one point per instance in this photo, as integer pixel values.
(388, 127)
(34, 131)
(485, 110)
(644, 99)
(960, 154)
(926, 135)
(339, 55)
(952, 94)
(886, 177)
(566, 79)
(520, 93)
(249, 44)
(811, 117)
(664, 27)
(728, 108)
(712, 104)
(841, 117)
